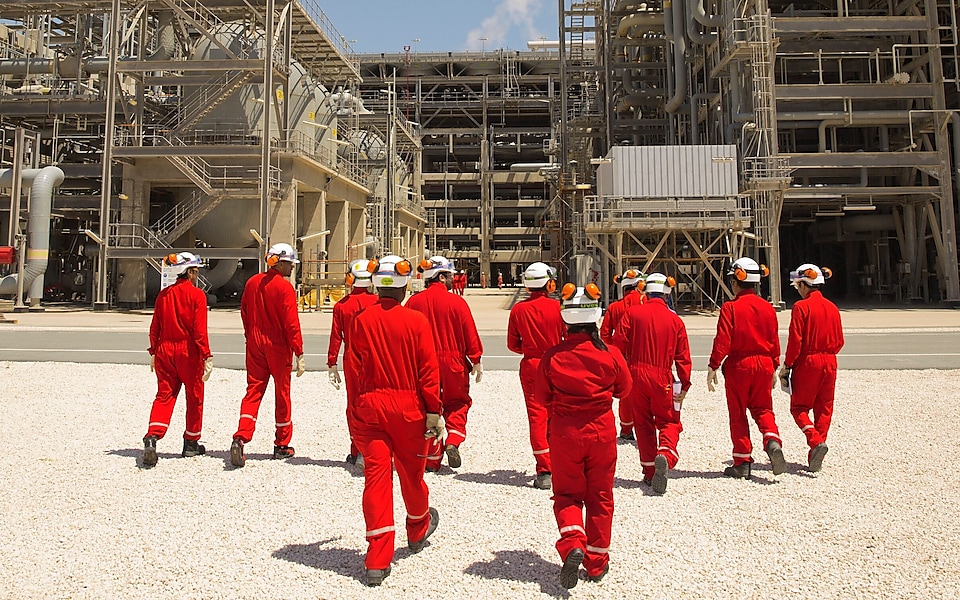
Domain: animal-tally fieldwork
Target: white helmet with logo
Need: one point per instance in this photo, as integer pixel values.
(747, 270)
(630, 277)
(435, 265)
(179, 263)
(281, 252)
(358, 275)
(538, 275)
(658, 283)
(810, 274)
(580, 304)
(390, 272)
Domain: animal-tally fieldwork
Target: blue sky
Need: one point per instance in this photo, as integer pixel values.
(449, 25)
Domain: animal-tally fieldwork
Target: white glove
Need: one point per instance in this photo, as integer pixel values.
(334, 374)
(153, 360)
(477, 372)
(207, 368)
(301, 365)
(712, 380)
(435, 427)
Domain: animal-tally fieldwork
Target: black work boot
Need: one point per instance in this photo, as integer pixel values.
(453, 456)
(544, 481)
(374, 577)
(570, 571)
(237, 457)
(283, 452)
(816, 457)
(193, 448)
(659, 481)
(775, 452)
(149, 451)
(434, 521)
(741, 471)
(627, 434)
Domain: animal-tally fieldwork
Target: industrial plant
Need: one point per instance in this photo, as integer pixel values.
(669, 136)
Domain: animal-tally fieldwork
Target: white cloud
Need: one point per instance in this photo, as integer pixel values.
(508, 15)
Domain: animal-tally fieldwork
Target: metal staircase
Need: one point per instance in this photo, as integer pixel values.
(137, 236)
(207, 22)
(178, 220)
(204, 101)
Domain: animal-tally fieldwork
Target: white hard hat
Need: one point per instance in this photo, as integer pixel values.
(537, 275)
(435, 265)
(747, 270)
(358, 275)
(390, 272)
(810, 274)
(658, 283)
(281, 252)
(580, 304)
(183, 261)
(630, 277)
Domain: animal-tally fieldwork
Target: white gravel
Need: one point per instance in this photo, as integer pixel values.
(79, 519)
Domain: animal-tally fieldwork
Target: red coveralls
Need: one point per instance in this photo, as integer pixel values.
(815, 338)
(608, 329)
(577, 383)
(654, 339)
(178, 341)
(747, 337)
(343, 313)
(271, 327)
(400, 385)
(457, 342)
(535, 326)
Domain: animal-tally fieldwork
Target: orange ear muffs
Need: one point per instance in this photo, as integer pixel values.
(671, 282)
(424, 265)
(810, 274)
(764, 271)
(171, 259)
(551, 286)
(827, 272)
(631, 274)
(640, 285)
(404, 267)
(740, 273)
(592, 291)
(373, 265)
(272, 260)
(617, 278)
(568, 291)
(351, 279)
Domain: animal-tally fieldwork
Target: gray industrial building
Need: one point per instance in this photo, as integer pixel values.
(667, 136)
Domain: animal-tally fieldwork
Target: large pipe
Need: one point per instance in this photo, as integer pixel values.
(701, 15)
(671, 27)
(38, 228)
(693, 30)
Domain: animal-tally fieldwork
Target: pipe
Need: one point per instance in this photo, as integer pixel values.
(223, 272)
(649, 21)
(38, 228)
(701, 15)
(679, 59)
(693, 31)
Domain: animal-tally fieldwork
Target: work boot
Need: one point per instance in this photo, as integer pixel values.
(599, 578)
(149, 451)
(434, 521)
(544, 481)
(283, 452)
(431, 469)
(570, 571)
(775, 452)
(741, 471)
(376, 576)
(192, 448)
(647, 482)
(237, 457)
(453, 456)
(359, 462)
(815, 459)
(627, 434)
(352, 459)
(659, 481)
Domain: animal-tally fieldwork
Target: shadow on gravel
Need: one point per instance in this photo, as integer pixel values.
(326, 462)
(342, 561)
(498, 477)
(799, 469)
(523, 566)
(681, 474)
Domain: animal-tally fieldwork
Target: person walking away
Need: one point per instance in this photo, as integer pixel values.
(631, 284)
(577, 381)
(535, 325)
(748, 345)
(458, 349)
(499, 280)
(360, 297)
(397, 408)
(271, 326)
(180, 356)
(654, 342)
(810, 365)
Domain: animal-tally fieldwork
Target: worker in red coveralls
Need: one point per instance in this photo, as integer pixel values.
(180, 355)
(396, 409)
(535, 325)
(461, 279)
(344, 311)
(810, 365)
(631, 289)
(654, 340)
(577, 381)
(271, 327)
(747, 338)
(458, 349)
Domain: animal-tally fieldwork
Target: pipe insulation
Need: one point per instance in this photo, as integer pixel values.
(45, 180)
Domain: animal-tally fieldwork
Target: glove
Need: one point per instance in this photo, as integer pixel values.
(773, 382)
(784, 377)
(301, 365)
(712, 380)
(207, 368)
(477, 372)
(334, 374)
(435, 427)
(153, 360)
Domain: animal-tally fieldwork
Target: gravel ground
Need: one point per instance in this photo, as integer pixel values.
(79, 519)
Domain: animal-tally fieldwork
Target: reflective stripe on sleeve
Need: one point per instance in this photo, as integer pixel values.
(537, 452)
